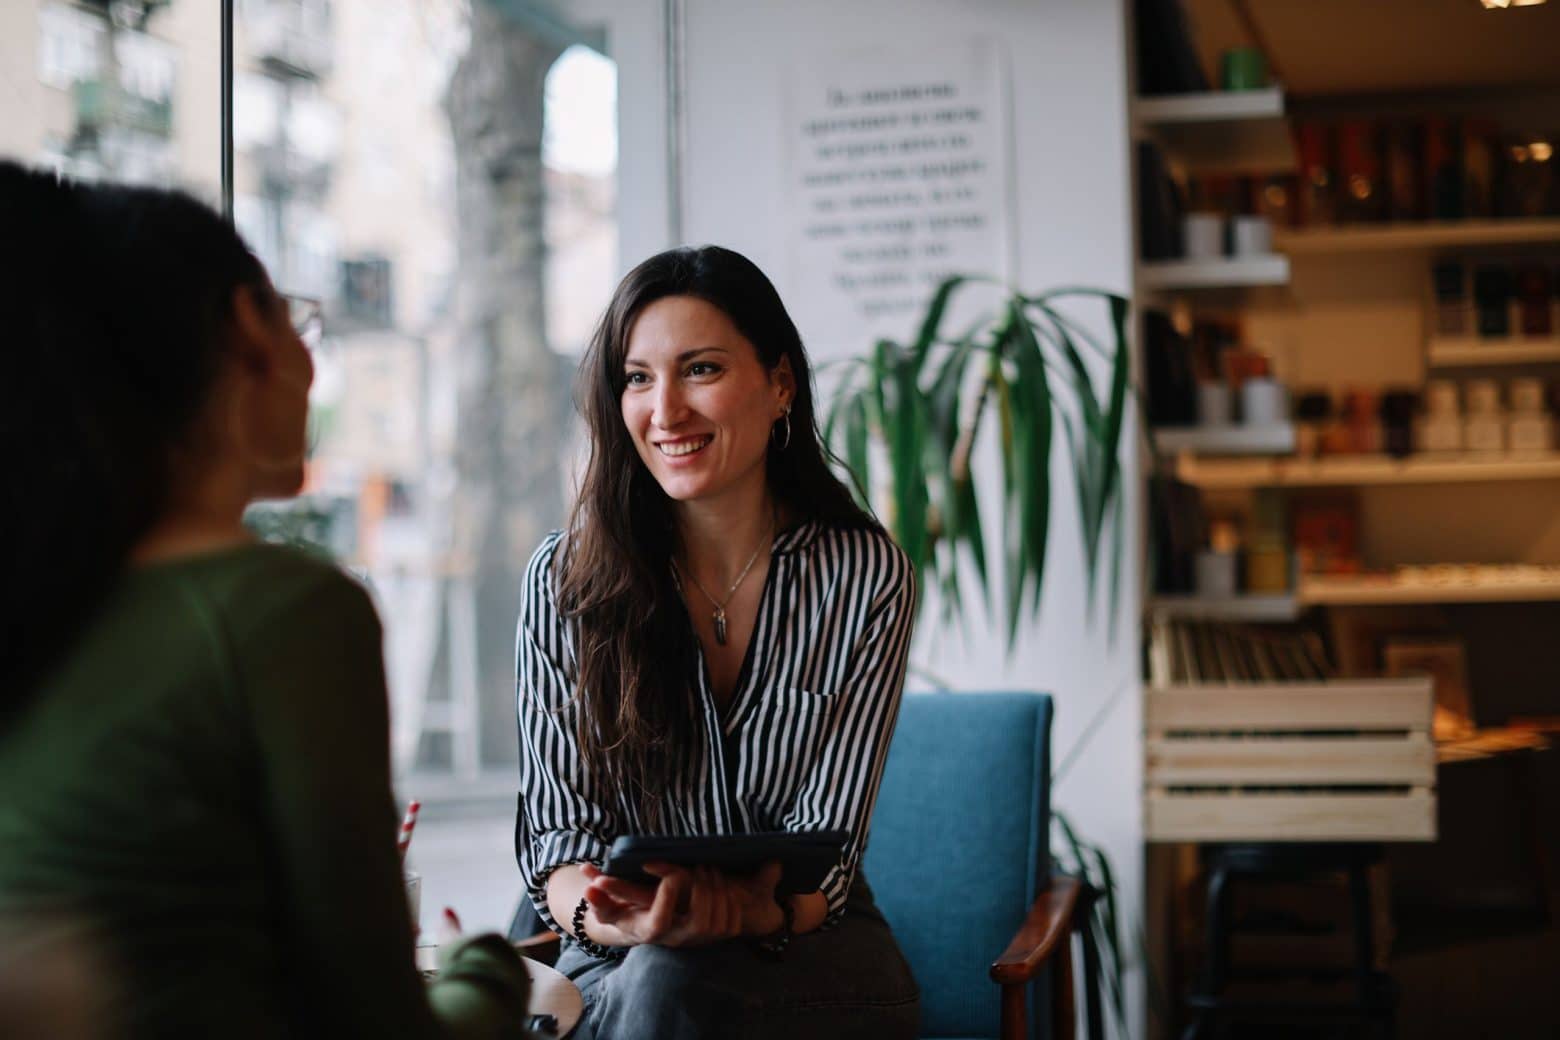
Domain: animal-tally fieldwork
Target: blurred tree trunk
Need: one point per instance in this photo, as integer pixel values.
(513, 399)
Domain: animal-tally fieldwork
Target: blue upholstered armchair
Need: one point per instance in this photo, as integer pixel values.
(959, 862)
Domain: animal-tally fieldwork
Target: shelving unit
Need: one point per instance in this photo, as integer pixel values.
(1226, 440)
(1368, 591)
(1470, 352)
(1352, 312)
(1252, 609)
(1220, 131)
(1230, 272)
(1348, 471)
(1426, 237)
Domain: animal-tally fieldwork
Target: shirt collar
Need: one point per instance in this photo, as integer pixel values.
(795, 538)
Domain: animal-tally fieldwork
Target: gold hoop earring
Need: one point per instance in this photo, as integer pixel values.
(781, 445)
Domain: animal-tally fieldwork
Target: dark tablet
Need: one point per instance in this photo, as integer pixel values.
(804, 856)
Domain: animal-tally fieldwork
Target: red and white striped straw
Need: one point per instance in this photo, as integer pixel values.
(403, 839)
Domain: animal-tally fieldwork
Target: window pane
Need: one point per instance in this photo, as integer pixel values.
(443, 179)
(127, 91)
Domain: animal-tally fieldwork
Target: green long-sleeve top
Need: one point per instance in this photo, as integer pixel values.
(198, 798)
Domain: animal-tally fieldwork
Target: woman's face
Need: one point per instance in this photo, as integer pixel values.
(272, 407)
(697, 401)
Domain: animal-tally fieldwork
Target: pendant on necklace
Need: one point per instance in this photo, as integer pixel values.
(720, 626)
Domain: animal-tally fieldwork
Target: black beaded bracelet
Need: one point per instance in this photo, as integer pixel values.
(589, 945)
(774, 944)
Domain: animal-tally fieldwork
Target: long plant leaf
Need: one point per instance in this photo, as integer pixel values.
(932, 322)
(857, 454)
(1036, 447)
(906, 428)
(956, 489)
(1110, 933)
(1009, 433)
(1085, 448)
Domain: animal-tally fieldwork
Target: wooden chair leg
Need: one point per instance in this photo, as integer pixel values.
(1064, 1013)
(1015, 1018)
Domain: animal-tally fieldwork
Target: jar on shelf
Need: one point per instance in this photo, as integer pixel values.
(1441, 429)
(1451, 299)
(1313, 417)
(1361, 423)
(1397, 422)
(1484, 428)
(1533, 295)
(1529, 427)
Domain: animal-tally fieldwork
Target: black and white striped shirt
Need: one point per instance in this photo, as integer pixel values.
(803, 739)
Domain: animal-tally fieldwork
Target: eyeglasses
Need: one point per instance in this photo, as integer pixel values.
(307, 317)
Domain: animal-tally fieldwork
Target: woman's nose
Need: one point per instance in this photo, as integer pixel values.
(670, 408)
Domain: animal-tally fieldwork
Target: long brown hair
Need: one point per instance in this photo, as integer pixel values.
(635, 647)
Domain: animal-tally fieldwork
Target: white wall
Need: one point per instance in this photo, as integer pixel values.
(1073, 216)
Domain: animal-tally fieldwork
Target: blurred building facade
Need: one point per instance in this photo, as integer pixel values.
(345, 184)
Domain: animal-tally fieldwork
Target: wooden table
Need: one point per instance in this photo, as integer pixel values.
(551, 991)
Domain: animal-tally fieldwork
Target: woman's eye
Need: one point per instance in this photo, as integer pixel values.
(703, 368)
(635, 379)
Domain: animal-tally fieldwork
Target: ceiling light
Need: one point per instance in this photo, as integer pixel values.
(1491, 5)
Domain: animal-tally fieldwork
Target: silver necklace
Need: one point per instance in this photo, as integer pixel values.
(719, 617)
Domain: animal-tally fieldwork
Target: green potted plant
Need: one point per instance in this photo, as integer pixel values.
(925, 403)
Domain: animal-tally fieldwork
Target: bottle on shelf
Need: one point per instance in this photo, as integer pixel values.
(1361, 422)
(1398, 408)
(1492, 299)
(1529, 427)
(1443, 168)
(1478, 163)
(1484, 428)
(1313, 417)
(1441, 428)
(1451, 299)
(1218, 566)
(1533, 296)
(1359, 167)
(1318, 196)
(1267, 551)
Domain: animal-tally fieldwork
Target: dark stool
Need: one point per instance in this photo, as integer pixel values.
(1375, 997)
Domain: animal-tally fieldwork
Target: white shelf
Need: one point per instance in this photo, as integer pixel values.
(1472, 352)
(1317, 590)
(1226, 440)
(1346, 471)
(1227, 608)
(1426, 236)
(1220, 131)
(1224, 273)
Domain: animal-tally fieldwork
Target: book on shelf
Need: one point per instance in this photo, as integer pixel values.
(1183, 651)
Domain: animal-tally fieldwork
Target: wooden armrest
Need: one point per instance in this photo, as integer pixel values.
(543, 946)
(1048, 925)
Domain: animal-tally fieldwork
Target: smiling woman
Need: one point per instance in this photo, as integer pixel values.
(649, 703)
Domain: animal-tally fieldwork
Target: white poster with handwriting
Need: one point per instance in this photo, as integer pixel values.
(898, 176)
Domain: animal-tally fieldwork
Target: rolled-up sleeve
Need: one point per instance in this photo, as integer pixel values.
(843, 787)
(562, 817)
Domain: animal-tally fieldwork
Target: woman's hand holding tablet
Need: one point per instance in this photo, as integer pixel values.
(689, 891)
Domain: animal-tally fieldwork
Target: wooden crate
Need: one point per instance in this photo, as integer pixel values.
(1326, 761)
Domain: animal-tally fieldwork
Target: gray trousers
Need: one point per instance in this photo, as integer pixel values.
(849, 981)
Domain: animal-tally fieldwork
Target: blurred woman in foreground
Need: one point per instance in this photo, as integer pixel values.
(193, 726)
